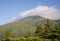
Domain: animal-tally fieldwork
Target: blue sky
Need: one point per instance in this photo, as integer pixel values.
(13, 8)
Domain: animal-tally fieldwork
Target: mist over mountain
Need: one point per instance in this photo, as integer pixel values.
(57, 21)
(29, 20)
(43, 11)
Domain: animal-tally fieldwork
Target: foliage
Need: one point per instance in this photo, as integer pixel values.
(31, 30)
(7, 34)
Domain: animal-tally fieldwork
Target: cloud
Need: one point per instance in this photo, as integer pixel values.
(44, 11)
(12, 20)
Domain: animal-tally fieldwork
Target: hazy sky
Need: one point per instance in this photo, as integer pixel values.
(11, 9)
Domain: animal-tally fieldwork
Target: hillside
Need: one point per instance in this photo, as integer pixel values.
(23, 26)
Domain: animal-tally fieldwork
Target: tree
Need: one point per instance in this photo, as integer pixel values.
(40, 30)
(7, 34)
(57, 31)
(53, 29)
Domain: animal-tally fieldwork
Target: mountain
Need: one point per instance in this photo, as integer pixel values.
(57, 21)
(23, 26)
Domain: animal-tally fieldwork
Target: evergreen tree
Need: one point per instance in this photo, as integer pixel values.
(7, 34)
(39, 30)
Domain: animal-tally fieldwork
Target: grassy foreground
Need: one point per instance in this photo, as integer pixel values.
(30, 38)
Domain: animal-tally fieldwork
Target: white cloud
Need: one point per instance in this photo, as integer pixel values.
(14, 18)
(44, 11)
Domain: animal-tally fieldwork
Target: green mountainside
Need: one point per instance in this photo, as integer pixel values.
(23, 27)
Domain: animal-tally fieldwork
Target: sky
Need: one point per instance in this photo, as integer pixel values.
(13, 9)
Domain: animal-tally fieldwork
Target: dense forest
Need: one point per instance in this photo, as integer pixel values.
(48, 31)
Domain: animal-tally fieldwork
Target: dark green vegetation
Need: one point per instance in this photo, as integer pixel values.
(34, 28)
